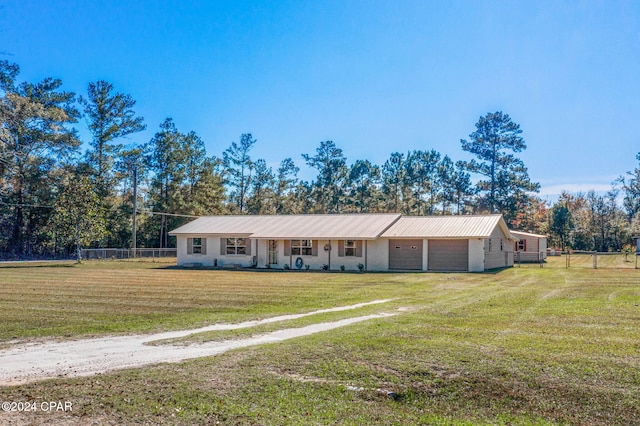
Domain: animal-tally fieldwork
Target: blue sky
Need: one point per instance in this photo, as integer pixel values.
(373, 76)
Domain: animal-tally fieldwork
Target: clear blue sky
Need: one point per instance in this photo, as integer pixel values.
(373, 76)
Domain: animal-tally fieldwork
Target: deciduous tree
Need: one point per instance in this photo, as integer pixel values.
(631, 187)
(77, 220)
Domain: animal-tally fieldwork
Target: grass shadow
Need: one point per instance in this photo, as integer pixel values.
(40, 265)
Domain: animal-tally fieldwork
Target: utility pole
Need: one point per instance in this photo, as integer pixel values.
(135, 207)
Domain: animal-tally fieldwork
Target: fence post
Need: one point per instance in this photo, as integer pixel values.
(567, 260)
(595, 260)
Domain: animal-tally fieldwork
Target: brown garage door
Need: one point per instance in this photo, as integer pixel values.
(405, 255)
(448, 255)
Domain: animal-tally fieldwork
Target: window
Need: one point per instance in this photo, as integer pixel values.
(521, 245)
(301, 247)
(197, 245)
(273, 252)
(349, 248)
(236, 246)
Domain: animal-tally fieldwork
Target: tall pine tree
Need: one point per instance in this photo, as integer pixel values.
(506, 180)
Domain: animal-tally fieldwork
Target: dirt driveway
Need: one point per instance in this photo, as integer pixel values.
(31, 362)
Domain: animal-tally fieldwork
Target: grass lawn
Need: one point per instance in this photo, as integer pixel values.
(520, 346)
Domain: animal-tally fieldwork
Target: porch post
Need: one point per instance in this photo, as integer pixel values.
(366, 254)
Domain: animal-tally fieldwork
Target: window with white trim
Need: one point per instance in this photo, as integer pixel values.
(349, 248)
(236, 246)
(301, 247)
(522, 245)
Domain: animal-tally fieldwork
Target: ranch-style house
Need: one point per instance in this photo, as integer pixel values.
(371, 242)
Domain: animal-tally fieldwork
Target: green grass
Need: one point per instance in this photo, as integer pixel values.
(524, 346)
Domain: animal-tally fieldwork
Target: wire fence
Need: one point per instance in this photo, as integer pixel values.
(584, 260)
(120, 253)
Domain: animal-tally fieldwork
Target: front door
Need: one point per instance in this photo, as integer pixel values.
(273, 252)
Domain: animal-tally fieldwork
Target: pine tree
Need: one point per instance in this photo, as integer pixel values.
(35, 139)
(329, 186)
(111, 117)
(238, 168)
(506, 178)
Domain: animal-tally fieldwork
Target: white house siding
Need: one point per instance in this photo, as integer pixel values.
(315, 262)
(205, 259)
(243, 260)
(378, 255)
(331, 259)
(543, 247)
(261, 253)
(498, 250)
(425, 255)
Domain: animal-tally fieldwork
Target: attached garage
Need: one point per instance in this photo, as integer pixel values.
(370, 242)
(405, 255)
(448, 255)
(453, 243)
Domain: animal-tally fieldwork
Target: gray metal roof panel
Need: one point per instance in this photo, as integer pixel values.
(460, 226)
(527, 234)
(337, 226)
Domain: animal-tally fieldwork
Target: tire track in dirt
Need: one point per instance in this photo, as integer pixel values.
(33, 362)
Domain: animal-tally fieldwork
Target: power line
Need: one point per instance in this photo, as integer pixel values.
(151, 212)
(27, 205)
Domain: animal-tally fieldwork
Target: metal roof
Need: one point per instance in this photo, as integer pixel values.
(318, 227)
(527, 234)
(346, 226)
(452, 227)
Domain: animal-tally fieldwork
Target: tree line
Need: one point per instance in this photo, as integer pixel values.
(55, 197)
